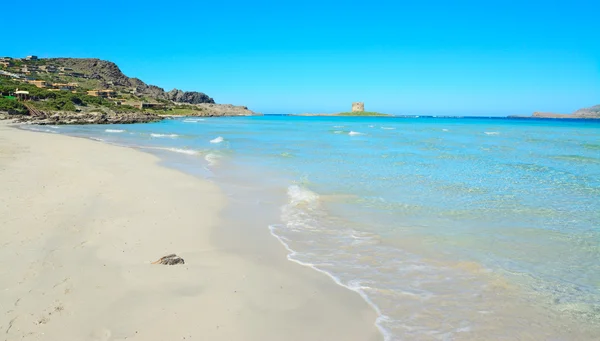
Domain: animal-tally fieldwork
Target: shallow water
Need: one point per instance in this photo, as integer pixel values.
(449, 228)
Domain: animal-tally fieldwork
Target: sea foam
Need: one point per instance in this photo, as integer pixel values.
(164, 135)
(114, 131)
(355, 133)
(217, 140)
(181, 151)
(212, 159)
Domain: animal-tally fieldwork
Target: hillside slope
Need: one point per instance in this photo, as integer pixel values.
(107, 75)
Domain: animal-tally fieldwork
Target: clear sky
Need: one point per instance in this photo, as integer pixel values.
(418, 57)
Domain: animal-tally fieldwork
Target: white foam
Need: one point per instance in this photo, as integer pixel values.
(97, 139)
(338, 126)
(212, 159)
(338, 132)
(43, 130)
(54, 127)
(114, 130)
(492, 133)
(388, 128)
(355, 133)
(164, 135)
(217, 140)
(355, 286)
(300, 195)
(193, 120)
(444, 129)
(181, 151)
(371, 126)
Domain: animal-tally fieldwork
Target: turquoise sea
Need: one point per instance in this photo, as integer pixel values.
(450, 228)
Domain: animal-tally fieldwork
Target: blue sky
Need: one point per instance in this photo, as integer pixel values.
(425, 57)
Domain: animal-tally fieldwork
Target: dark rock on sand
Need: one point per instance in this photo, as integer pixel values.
(171, 259)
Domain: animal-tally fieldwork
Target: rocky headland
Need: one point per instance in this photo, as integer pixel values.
(585, 113)
(93, 91)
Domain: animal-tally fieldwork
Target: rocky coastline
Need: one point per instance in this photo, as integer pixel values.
(68, 117)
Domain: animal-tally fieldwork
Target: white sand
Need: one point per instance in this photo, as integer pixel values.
(80, 222)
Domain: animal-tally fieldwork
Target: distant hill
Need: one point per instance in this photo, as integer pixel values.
(591, 112)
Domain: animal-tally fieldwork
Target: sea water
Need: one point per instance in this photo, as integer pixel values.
(450, 228)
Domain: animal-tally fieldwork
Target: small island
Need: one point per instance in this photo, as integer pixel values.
(358, 109)
(360, 113)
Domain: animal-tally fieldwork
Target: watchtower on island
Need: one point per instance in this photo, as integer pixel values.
(358, 106)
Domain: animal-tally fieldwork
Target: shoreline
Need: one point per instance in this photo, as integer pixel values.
(72, 206)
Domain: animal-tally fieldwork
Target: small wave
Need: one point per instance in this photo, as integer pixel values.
(97, 139)
(164, 135)
(371, 126)
(217, 140)
(355, 133)
(338, 132)
(354, 285)
(338, 126)
(388, 128)
(114, 131)
(444, 129)
(300, 195)
(43, 130)
(212, 159)
(54, 127)
(193, 120)
(492, 133)
(181, 151)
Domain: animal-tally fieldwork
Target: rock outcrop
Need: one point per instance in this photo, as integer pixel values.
(210, 109)
(191, 97)
(68, 117)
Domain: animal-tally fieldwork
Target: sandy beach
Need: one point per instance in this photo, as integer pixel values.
(83, 220)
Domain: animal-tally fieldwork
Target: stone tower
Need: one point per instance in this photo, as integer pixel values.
(358, 106)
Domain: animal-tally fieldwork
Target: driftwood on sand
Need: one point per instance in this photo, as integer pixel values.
(171, 259)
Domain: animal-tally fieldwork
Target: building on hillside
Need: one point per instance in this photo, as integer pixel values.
(77, 74)
(22, 95)
(5, 63)
(108, 93)
(63, 69)
(64, 86)
(39, 83)
(31, 58)
(152, 105)
(48, 68)
(27, 69)
(10, 74)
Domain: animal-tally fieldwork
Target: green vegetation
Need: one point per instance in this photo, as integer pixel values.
(192, 111)
(12, 106)
(361, 113)
(44, 99)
